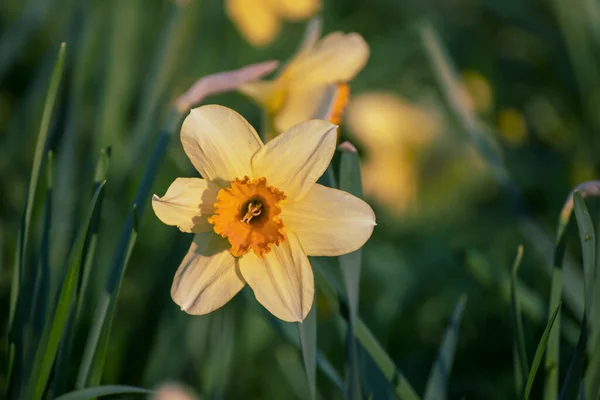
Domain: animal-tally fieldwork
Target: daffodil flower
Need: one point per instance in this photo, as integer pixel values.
(259, 21)
(257, 213)
(314, 84)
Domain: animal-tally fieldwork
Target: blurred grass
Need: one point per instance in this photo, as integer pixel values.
(126, 63)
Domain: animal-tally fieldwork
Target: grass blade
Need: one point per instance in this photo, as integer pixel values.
(539, 352)
(452, 88)
(520, 351)
(307, 330)
(98, 391)
(572, 384)
(92, 363)
(330, 287)
(48, 345)
(438, 377)
(588, 246)
(402, 387)
(350, 266)
(35, 173)
(93, 357)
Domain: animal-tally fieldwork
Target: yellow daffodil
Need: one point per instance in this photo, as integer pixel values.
(259, 21)
(257, 213)
(394, 132)
(314, 84)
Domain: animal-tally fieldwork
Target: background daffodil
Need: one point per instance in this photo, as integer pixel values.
(258, 213)
(314, 84)
(259, 21)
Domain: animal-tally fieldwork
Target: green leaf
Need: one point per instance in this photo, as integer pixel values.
(572, 384)
(307, 330)
(520, 351)
(438, 377)
(539, 353)
(94, 354)
(350, 267)
(48, 345)
(402, 387)
(90, 393)
(588, 246)
(18, 273)
(331, 288)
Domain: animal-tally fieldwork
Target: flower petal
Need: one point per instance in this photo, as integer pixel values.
(294, 160)
(262, 92)
(257, 21)
(329, 222)
(295, 10)
(336, 58)
(219, 142)
(187, 204)
(282, 280)
(300, 104)
(208, 276)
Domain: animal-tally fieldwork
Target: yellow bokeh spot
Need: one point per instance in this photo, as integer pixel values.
(478, 91)
(512, 126)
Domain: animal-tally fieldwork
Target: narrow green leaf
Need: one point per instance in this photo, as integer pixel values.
(307, 331)
(520, 351)
(35, 173)
(551, 363)
(48, 345)
(94, 355)
(330, 287)
(572, 383)
(588, 246)
(280, 327)
(452, 89)
(90, 393)
(440, 372)
(402, 387)
(350, 268)
(539, 352)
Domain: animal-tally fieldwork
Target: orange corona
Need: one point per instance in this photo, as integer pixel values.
(339, 103)
(248, 215)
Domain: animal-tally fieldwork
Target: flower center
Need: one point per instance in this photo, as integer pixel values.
(248, 215)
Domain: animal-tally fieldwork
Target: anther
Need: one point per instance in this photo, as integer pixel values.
(254, 210)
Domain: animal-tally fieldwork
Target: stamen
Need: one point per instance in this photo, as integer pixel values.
(254, 210)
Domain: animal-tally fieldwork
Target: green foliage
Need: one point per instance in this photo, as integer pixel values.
(86, 282)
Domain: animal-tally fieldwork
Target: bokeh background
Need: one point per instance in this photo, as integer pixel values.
(459, 171)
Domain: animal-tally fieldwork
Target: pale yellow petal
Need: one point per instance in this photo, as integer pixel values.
(294, 160)
(336, 58)
(220, 143)
(300, 104)
(329, 222)
(208, 276)
(262, 92)
(282, 280)
(256, 20)
(295, 9)
(187, 204)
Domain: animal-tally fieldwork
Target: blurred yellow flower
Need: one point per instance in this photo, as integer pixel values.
(478, 91)
(259, 21)
(393, 132)
(512, 126)
(314, 84)
(258, 213)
